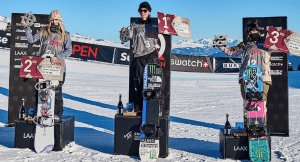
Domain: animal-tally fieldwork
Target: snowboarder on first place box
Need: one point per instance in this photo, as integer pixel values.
(144, 36)
(54, 40)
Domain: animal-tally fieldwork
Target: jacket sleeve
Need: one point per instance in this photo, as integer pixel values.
(234, 51)
(31, 38)
(67, 49)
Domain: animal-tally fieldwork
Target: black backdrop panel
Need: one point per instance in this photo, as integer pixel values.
(191, 63)
(165, 63)
(277, 106)
(227, 65)
(22, 87)
(5, 39)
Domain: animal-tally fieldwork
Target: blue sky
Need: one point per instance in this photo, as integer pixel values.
(102, 19)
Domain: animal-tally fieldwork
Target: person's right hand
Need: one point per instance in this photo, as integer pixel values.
(123, 29)
(23, 22)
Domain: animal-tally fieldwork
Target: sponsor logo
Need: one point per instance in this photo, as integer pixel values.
(18, 59)
(19, 24)
(44, 25)
(125, 57)
(37, 25)
(240, 148)
(35, 45)
(256, 51)
(136, 136)
(21, 38)
(276, 64)
(148, 140)
(152, 154)
(47, 149)
(3, 40)
(35, 53)
(231, 65)
(28, 135)
(20, 31)
(20, 52)
(21, 45)
(276, 72)
(148, 145)
(145, 77)
(198, 63)
(276, 58)
(55, 43)
(17, 66)
(128, 135)
(8, 34)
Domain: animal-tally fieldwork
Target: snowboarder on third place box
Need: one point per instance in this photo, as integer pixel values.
(56, 44)
(254, 79)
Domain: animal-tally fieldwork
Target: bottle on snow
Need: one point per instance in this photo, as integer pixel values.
(22, 112)
(227, 128)
(120, 105)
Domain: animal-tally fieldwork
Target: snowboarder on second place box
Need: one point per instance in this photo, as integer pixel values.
(54, 40)
(55, 44)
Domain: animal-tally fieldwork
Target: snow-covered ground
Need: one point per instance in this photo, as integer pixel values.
(199, 102)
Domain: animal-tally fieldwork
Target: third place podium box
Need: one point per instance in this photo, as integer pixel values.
(127, 135)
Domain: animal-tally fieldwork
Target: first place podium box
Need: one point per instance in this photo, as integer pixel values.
(63, 133)
(127, 135)
(235, 147)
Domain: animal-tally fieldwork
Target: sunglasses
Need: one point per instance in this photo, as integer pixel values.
(143, 11)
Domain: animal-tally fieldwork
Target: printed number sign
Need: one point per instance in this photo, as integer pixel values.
(41, 68)
(293, 43)
(275, 39)
(179, 26)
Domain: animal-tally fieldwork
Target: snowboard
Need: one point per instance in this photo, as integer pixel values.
(44, 133)
(150, 131)
(256, 117)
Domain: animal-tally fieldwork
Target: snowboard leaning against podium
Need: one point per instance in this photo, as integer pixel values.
(147, 75)
(55, 44)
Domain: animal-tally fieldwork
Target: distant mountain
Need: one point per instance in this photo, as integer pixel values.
(79, 38)
(200, 47)
(3, 22)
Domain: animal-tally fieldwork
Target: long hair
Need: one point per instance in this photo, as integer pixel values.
(62, 28)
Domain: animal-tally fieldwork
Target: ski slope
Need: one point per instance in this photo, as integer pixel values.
(199, 103)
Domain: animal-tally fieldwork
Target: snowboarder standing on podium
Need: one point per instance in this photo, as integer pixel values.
(262, 58)
(144, 36)
(54, 40)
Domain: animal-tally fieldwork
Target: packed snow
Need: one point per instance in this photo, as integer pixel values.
(199, 102)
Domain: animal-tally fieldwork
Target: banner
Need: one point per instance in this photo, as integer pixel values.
(226, 64)
(191, 63)
(121, 56)
(5, 39)
(92, 52)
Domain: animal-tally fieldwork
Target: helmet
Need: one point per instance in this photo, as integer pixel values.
(145, 5)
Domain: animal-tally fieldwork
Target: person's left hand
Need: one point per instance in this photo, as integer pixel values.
(291, 31)
(53, 60)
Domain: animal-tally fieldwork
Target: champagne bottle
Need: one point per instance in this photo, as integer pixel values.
(227, 128)
(22, 112)
(120, 105)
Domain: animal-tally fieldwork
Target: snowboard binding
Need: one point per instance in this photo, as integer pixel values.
(29, 19)
(220, 41)
(126, 35)
(150, 130)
